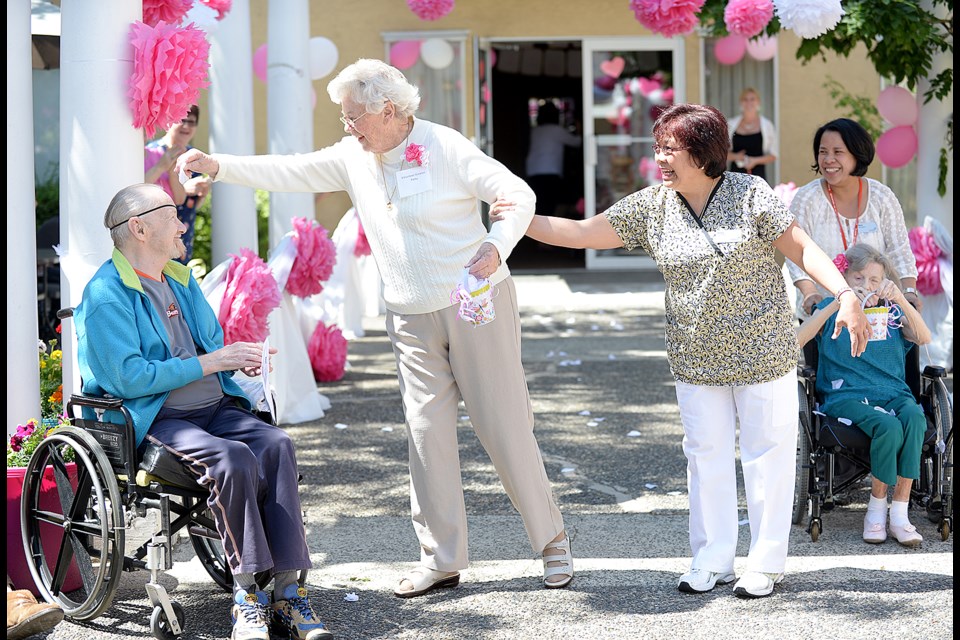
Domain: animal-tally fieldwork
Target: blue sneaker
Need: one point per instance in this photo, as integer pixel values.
(250, 615)
(294, 617)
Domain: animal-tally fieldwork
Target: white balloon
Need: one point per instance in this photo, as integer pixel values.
(436, 53)
(323, 57)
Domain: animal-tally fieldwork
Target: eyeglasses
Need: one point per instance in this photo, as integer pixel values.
(667, 151)
(137, 215)
(187, 122)
(352, 122)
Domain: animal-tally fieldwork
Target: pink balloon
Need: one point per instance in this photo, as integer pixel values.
(260, 62)
(730, 49)
(898, 106)
(897, 146)
(404, 53)
(762, 47)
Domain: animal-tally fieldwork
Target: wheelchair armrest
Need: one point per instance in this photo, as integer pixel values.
(95, 402)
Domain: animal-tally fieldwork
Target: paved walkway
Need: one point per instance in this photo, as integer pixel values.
(592, 343)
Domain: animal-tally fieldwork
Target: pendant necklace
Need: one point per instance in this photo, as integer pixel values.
(836, 212)
(383, 176)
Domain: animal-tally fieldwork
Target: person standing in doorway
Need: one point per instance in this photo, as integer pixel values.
(545, 158)
(753, 138)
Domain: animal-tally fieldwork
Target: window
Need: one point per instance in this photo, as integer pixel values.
(434, 62)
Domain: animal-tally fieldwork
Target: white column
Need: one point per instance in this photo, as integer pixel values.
(23, 365)
(932, 133)
(234, 210)
(100, 150)
(289, 108)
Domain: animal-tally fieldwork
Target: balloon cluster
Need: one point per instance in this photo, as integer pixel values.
(897, 145)
(436, 53)
(731, 49)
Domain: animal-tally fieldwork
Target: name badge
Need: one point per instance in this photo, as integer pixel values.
(410, 182)
(868, 226)
(727, 235)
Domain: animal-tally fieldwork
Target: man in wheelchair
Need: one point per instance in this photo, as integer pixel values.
(147, 335)
(871, 391)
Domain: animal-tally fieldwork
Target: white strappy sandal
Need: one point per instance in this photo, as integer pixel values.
(562, 563)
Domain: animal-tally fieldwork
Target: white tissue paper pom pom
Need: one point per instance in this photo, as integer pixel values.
(809, 18)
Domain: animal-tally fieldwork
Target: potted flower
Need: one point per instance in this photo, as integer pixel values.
(21, 446)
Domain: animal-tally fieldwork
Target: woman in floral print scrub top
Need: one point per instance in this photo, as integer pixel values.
(729, 332)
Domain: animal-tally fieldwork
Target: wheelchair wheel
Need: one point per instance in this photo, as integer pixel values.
(82, 527)
(801, 490)
(209, 549)
(160, 624)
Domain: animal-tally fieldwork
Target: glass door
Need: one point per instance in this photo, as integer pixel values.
(626, 83)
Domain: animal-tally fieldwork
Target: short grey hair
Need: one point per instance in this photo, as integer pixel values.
(128, 202)
(859, 256)
(373, 83)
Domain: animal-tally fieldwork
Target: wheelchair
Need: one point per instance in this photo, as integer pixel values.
(102, 484)
(833, 456)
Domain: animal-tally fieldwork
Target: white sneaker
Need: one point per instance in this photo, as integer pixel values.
(701, 580)
(754, 584)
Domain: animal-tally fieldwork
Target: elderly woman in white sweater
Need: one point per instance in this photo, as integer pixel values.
(416, 186)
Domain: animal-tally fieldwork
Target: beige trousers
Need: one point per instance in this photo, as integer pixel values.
(441, 358)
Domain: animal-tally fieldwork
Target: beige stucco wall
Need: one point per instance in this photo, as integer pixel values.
(356, 27)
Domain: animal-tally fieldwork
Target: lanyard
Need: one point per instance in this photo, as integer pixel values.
(836, 212)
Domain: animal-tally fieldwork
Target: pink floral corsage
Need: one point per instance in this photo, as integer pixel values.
(417, 153)
(841, 262)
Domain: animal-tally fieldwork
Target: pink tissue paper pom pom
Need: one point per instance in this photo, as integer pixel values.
(169, 11)
(430, 9)
(328, 353)
(747, 18)
(222, 7)
(316, 255)
(667, 17)
(251, 294)
(169, 69)
(786, 191)
(362, 246)
(928, 254)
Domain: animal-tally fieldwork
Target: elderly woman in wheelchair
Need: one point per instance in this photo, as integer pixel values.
(151, 350)
(871, 391)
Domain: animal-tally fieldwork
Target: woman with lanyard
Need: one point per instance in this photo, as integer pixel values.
(842, 208)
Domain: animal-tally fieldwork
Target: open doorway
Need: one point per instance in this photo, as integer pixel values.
(536, 84)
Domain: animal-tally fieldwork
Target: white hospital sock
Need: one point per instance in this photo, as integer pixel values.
(898, 513)
(877, 510)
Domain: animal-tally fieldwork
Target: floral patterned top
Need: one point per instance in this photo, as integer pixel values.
(882, 226)
(728, 320)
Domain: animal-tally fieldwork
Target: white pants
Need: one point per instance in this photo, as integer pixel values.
(768, 414)
(441, 358)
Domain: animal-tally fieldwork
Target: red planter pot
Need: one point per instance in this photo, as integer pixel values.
(50, 536)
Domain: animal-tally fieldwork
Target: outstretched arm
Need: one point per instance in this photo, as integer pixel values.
(592, 233)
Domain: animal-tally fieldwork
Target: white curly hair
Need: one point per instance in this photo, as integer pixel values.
(373, 83)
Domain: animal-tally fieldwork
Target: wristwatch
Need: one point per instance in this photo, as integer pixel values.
(910, 290)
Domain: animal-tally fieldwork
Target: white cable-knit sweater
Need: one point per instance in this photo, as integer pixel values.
(423, 242)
